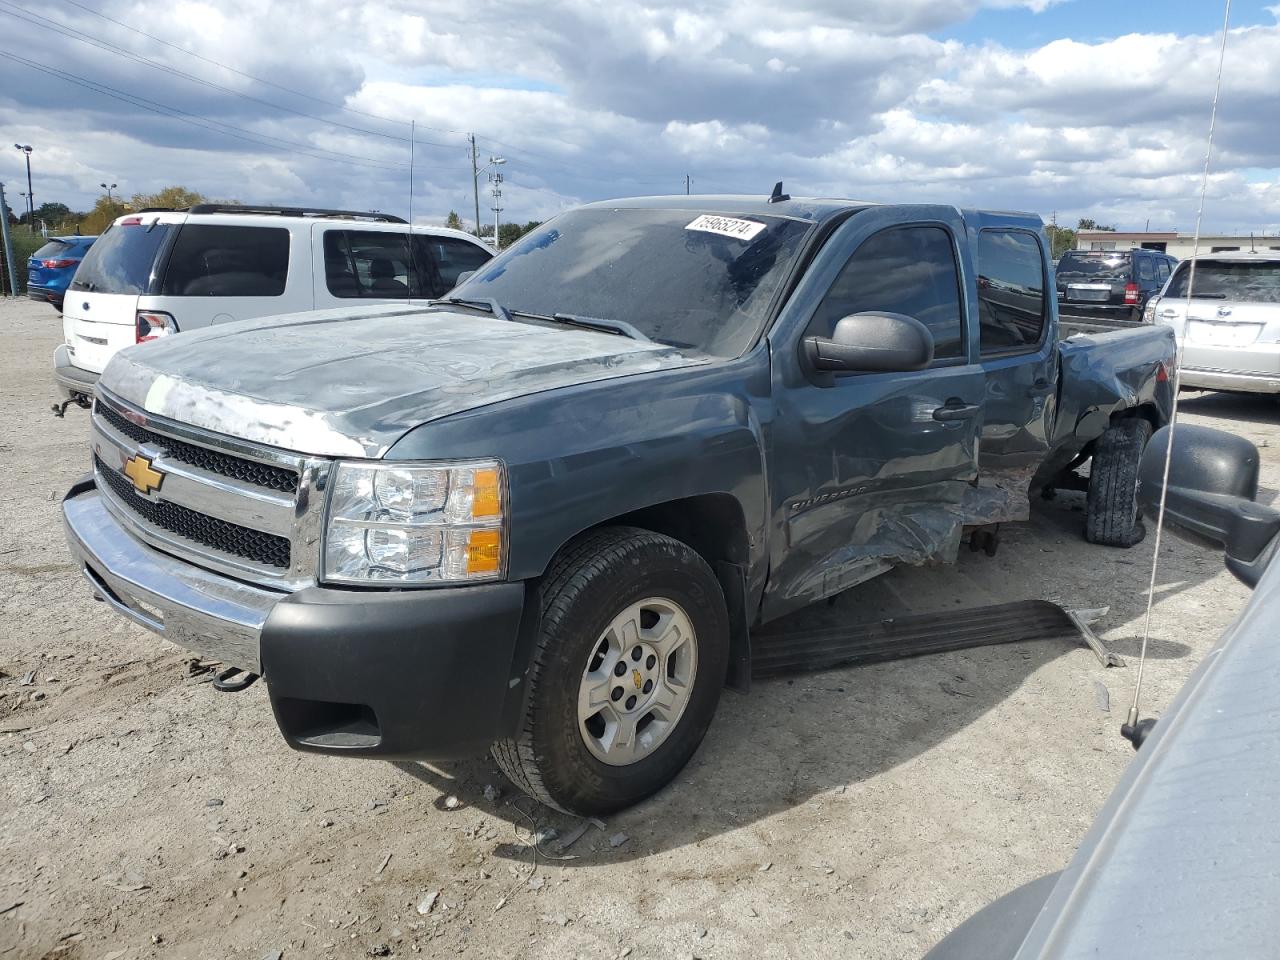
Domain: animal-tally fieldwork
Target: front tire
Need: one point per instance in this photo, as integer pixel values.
(1112, 516)
(626, 672)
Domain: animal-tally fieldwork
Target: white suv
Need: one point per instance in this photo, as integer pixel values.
(159, 272)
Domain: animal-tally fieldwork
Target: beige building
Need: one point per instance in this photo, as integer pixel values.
(1177, 245)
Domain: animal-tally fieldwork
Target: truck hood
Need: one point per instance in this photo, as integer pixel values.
(350, 383)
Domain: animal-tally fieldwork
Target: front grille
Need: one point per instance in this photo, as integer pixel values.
(221, 535)
(223, 464)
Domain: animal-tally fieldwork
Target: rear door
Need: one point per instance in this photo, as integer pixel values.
(100, 308)
(870, 469)
(1019, 356)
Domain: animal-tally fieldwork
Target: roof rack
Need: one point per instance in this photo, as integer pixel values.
(293, 212)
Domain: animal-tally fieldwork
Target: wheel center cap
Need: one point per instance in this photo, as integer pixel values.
(637, 678)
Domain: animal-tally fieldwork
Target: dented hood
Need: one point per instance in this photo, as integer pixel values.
(351, 382)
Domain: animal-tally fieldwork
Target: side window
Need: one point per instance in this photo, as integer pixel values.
(1146, 269)
(909, 270)
(366, 263)
(209, 260)
(1162, 271)
(441, 260)
(1011, 302)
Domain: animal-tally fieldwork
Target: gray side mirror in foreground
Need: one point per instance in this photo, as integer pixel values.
(872, 342)
(1213, 480)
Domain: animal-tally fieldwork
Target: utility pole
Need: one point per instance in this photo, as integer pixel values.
(687, 181)
(475, 181)
(8, 244)
(25, 148)
(496, 179)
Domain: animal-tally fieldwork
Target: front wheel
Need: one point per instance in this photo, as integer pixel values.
(626, 672)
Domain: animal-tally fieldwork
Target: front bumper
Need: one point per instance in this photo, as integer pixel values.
(413, 674)
(72, 381)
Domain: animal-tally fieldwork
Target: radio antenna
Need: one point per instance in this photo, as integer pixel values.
(408, 240)
(1133, 729)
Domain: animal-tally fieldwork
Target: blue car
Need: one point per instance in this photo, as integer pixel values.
(50, 269)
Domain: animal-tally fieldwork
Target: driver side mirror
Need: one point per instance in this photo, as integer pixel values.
(463, 277)
(1213, 480)
(872, 342)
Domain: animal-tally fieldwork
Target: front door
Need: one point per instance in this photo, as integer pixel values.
(872, 469)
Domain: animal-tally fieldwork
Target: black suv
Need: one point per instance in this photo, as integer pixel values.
(1112, 284)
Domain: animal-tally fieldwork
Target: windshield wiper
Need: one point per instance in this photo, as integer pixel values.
(620, 327)
(478, 303)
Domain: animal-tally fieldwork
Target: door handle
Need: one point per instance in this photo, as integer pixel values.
(956, 411)
(1041, 388)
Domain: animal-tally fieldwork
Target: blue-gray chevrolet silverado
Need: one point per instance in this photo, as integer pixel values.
(543, 515)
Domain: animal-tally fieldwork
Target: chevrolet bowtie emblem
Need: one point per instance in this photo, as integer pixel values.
(636, 678)
(144, 476)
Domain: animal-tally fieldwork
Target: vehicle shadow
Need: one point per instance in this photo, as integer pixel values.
(1247, 407)
(791, 739)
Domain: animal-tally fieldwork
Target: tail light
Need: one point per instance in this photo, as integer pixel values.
(57, 264)
(153, 324)
(1131, 293)
(1164, 371)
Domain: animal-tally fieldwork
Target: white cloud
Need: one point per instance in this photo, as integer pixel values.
(592, 100)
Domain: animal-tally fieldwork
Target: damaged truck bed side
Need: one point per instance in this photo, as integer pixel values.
(542, 516)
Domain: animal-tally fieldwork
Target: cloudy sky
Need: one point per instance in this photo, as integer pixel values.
(1084, 107)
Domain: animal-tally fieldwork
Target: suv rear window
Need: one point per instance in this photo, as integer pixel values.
(210, 260)
(120, 260)
(1096, 266)
(1257, 282)
(53, 250)
(375, 264)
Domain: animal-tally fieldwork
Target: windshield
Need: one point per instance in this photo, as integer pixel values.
(1096, 266)
(1249, 282)
(702, 282)
(120, 261)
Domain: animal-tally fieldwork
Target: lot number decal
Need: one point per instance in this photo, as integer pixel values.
(726, 226)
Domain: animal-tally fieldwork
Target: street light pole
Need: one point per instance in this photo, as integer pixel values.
(108, 189)
(25, 148)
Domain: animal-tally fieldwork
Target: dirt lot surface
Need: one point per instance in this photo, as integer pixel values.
(861, 812)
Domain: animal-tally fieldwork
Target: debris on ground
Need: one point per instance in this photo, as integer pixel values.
(427, 903)
(491, 793)
(380, 950)
(1102, 695)
(213, 802)
(573, 836)
(273, 955)
(28, 679)
(383, 865)
(451, 802)
(618, 839)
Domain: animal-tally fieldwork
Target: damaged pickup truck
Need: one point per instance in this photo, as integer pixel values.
(542, 516)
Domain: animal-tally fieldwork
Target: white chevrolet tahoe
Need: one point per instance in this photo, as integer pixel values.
(158, 272)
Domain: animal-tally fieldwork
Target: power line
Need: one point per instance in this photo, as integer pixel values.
(216, 126)
(72, 33)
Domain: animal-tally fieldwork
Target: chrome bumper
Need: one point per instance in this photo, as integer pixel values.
(214, 616)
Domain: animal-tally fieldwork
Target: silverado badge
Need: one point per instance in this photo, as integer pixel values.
(145, 477)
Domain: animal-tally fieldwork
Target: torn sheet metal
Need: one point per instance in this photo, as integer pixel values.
(333, 383)
(1000, 496)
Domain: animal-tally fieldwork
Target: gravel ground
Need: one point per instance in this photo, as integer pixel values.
(861, 812)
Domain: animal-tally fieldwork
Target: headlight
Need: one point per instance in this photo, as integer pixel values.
(403, 523)
(1149, 314)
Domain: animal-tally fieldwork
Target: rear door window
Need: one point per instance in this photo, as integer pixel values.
(910, 270)
(212, 260)
(122, 259)
(377, 265)
(1162, 271)
(1146, 270)
(1011, 301)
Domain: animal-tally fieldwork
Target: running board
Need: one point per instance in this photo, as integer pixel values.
(793, 651)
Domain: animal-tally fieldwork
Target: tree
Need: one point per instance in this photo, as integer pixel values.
(1088, 223)
(511, 232)
(175, 198)
(100, 217)
(52, 213)
(453, 221)
(1061, 239)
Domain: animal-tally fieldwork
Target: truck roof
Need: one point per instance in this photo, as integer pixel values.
(816, 209)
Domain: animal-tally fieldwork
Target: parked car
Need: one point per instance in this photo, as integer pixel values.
(542, 515)
(162, 272)
(50, 268)
(1229, 330)
(1181, 860)
(1110, 284)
